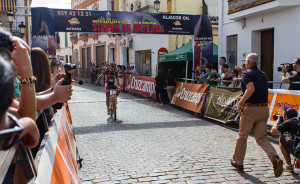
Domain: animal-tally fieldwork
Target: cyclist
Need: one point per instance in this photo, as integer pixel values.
(111, 82)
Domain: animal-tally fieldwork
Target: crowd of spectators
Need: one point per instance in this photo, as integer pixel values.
(29, 84)
(228, 77)
(96, 71)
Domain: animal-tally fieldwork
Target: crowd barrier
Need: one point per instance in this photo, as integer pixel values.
(216, 103)
(58, 161)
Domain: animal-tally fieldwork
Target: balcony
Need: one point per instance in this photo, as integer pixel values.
(146, 9)
(238, 9)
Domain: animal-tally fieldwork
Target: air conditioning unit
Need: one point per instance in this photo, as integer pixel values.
(126, 42)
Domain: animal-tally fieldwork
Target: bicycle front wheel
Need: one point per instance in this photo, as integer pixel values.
(114, 110)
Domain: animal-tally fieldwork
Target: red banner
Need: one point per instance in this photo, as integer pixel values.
(190, 96)
(142, 85)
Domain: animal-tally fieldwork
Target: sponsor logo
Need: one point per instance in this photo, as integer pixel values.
(189, 96)
(74, 21)
(142, 85)
(225, 101)
(177, 23)
(285, 105)
(180, 57)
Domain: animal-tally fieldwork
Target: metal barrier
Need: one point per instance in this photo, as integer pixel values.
(26, 160)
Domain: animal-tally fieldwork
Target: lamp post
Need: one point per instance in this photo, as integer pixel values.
(10, 16)
(22, 27)
(157, 5)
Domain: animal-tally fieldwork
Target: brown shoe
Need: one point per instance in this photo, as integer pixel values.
(278, 166)
(237, 166)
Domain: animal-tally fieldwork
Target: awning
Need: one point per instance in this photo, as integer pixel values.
(185, 53)
(7, 5)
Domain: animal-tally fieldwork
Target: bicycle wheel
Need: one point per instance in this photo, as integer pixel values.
(111, 108)
(114, 109)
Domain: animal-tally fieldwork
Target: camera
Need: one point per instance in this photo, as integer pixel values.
(289, 66)
(276, 116)
(69, 68)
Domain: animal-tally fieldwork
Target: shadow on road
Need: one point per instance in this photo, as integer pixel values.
(112, 127)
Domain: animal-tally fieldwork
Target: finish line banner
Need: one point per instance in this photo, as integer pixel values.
(190, 96)
(70, 20)
(222, 104)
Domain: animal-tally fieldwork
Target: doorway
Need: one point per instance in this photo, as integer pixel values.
(100, 55)
(267, 53)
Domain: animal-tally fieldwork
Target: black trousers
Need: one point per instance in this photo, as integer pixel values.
(159, 90)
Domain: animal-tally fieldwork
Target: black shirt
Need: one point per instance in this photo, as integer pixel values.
(295, 78)
(171, 80)
(290, 125)
(260, 81)
(159, 81)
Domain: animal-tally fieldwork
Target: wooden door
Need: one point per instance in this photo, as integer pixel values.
(267, 53)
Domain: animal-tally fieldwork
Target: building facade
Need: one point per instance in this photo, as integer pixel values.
(94, 47)
(269, 28)
(21, 11)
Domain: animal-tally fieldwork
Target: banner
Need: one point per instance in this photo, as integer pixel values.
(141, 85)
(203, 42)
(189, 96)
(58, 162)
(282, 99)
(121, 78)
(222, 104)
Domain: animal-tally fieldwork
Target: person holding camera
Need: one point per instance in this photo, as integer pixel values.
(293, 77)
(286, 125)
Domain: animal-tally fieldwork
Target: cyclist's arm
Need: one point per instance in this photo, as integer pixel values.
(99, 77)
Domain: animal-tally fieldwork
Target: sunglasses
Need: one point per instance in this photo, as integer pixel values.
(10, 136)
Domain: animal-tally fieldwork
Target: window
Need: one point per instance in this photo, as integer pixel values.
(111, 55)
(111, 5)
(144, 62)
(66, 59)
(66, 39)
(232, 51)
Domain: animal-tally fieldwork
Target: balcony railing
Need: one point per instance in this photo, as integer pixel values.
(146, 9)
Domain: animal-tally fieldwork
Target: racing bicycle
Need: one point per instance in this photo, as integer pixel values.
(113, 104)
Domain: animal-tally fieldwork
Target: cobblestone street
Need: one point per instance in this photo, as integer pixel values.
(152, 144)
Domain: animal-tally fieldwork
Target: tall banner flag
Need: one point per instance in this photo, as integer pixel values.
(43, 30)
(203, 48)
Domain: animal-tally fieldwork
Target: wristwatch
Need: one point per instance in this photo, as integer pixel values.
(28, 80)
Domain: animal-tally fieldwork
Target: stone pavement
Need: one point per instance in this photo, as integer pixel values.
(152, 144)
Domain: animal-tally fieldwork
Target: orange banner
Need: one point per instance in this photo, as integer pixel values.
(285, 101)
(270, 99)
(189, 96)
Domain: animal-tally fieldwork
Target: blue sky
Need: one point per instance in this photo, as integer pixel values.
(62, 4)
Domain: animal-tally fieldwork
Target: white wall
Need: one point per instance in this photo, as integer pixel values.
(150, 42)
(286, 34)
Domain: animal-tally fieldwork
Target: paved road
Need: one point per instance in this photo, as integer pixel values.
(153, 144)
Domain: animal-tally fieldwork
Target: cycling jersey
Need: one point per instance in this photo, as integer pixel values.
(110, 79)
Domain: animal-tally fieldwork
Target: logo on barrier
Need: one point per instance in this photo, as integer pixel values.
(285, 105)
(225, 101)
(189, 96)
(177, 23)
(142, 85)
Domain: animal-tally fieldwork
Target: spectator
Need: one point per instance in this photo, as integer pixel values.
(128, 67)
(30, 133)
(287, 129)
(159, 87)
(197, 74)
(225, 76)
(133, 70)
(20, 57)
(235, 83)
(293, 77)
(41, 69)
(222, 61)
(211, 77)
(171, 83)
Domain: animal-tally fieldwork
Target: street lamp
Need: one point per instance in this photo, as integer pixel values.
(22, 27)
(10, 16)
(157, 5)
